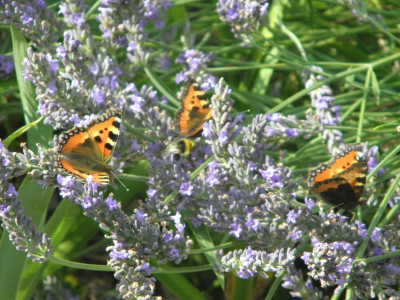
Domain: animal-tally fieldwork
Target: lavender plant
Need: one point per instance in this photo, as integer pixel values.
(241, 197)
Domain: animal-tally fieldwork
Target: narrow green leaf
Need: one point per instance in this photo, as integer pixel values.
(180, 286)
(40, 134)
(35, 200)
(19, 132)
(376, 90)
(33, 197)
(240, 288)
(204, 239)
(264, 77)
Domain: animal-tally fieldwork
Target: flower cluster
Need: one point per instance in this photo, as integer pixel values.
(136, 238)
(330, 263)
(323, 101)
(194, 62)
(6, 66)
(221, 130)
(243, 16)
(358, 9)
(123, 23)
(34, 20)
(53, 287)
(236, 183)
(276, 129)
(294, 281)
(246, 263)
(22, 233)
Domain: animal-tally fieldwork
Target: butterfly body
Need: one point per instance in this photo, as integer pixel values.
(341, 181)
(87, 150)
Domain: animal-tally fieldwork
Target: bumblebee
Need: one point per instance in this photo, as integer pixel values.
(181, 147)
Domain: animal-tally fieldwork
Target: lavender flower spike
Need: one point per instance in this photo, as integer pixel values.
(328, 113)
(243, 16)
(23, 235)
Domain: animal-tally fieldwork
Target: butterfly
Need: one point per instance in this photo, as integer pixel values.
(181, 147)
(87, 150)
(341, 181)
(195, 110)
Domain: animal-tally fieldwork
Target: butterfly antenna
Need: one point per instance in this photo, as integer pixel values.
(241, 112)
(116, 177)
(136, 156)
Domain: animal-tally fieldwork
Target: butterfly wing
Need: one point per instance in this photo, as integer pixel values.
(78, 156)
(104, 133)
(194, 112)
(85, 151)
(341, 181)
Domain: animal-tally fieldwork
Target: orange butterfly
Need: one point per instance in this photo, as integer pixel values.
(195, 110)
(87, 150)
(341, 181)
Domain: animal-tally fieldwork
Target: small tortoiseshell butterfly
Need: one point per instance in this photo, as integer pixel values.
(195, 110)
(341, 181)
(178, 148)
(87, 150)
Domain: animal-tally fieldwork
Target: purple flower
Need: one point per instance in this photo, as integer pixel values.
(179, 77)
(272, 176)
(186, 189)
(193, 61)
(132, 46)
(235, 230)
(6, 66)
(177, 218)
(243, 16)
(206, 131)
(253, 224)
(164, 62)
(98, 96)
(11, 191)
(346, 267)
(292, 132)
(141, 216)
(362, 230)
(376, 235)
(270, 132)
(323, 100)
(223, 137)
(51, 88)
(78, 19)
(245, 273)
(275, 117)
(373, 159)
(111, 203)
(310, 203)
(67, 181)
(212, 179)
(174, 253)
(394, 269)
(119, 254)
(306, 257)
(330, 263)
(53, 63)
(168, 237)
(137, 105)
(135, 145)
(293, 216)
(3, 209)
(87, 202)
(295, 236)
(231, 14)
